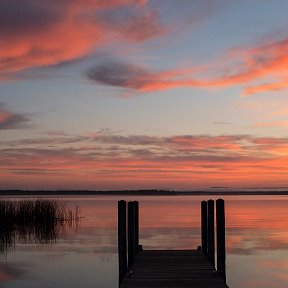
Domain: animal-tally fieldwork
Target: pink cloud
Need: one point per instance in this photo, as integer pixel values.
(267, 60)
(12, 120)
(37, 34)
(276, 86)
(252, 64)
(181, 161)
(34, 34)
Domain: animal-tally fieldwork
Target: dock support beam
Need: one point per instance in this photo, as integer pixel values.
(122, 239)
(131, 233)
(221, 254)
(136, 222)
(204, 235)
(211, 232)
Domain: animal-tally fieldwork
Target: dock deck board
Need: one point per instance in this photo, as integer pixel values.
(172, 269)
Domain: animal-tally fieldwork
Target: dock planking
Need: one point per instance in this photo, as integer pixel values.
(171, 269)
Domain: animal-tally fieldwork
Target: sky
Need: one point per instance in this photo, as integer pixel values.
(143, 94)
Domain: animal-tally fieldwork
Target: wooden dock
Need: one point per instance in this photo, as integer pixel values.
(172, 269)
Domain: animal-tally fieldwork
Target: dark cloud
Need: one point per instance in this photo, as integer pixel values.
(222, 123)
(56, 133)
(47, 141)
(129, 139)
(12, 120)
(254, 64)
(121, 75)
(28, 16)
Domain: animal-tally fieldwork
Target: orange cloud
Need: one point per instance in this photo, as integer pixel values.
(180, 162)
(276, 86)
(34, 33)
(269, 60)
(252, 65)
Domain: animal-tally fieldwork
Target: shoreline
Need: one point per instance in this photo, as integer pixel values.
(140, 193)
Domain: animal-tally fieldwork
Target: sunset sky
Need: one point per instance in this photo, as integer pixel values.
(143, 94)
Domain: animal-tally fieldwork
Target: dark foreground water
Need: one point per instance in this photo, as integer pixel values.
(256, 242)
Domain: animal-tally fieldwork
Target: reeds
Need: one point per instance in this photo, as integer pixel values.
(38, 221)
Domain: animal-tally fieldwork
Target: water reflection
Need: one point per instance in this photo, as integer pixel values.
(256, 243)
(43, 233)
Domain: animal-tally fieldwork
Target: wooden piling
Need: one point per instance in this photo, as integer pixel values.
(211, 233)
(131, 233)
(122, 239)
(221, 254)
(136, 222)
(204, 227)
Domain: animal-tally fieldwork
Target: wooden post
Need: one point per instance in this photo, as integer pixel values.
(221, 254)
(122, 239)
(136, 211)
(131, 233)
(211, 232)
(204, 227)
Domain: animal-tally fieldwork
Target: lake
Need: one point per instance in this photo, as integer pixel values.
(86, 255)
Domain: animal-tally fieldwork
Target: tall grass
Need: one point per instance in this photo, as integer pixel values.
(39, 221)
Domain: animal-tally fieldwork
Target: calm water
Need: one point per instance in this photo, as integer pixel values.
(256, 242)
